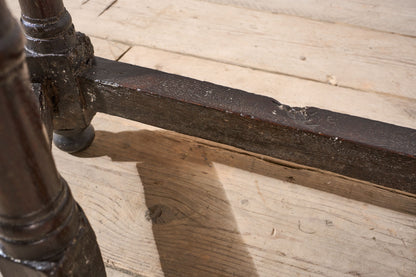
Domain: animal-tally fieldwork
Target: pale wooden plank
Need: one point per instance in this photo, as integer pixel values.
(108, 49)
(289, 90)
(95, 8)
(312, 222)
(369, 78)
(115, 272)
(331, 53)
(396, 16)
(221, 215)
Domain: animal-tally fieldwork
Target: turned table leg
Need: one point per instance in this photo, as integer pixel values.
(43, 232)
(56, 56)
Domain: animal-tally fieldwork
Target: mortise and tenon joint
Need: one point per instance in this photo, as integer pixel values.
(56, 56)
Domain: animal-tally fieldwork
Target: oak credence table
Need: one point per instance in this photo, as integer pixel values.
(43, 232)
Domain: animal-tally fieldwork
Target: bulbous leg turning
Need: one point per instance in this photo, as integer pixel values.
(73, 141)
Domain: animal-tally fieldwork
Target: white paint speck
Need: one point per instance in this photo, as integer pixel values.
(332, 80)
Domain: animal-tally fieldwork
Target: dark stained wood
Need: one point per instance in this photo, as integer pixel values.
(364, 149)
(41, 8)
(56, 54)
(42, 228)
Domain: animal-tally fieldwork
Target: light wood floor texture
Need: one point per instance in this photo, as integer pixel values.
(164, 204)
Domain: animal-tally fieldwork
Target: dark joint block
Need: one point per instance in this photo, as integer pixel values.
(56, 55)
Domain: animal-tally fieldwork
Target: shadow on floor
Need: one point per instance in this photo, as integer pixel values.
(193, 224)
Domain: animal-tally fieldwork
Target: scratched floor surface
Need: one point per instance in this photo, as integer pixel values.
(164, 204)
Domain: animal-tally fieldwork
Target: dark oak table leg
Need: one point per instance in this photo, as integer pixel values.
(56, 55)
(43, 232)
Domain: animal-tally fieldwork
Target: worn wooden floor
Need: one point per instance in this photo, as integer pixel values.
(164, 204)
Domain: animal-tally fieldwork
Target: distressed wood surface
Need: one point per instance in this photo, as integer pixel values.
(395, 16)
(336, 54)
(109, 49)
(163, 204)
(127, 28)
(286, 89)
